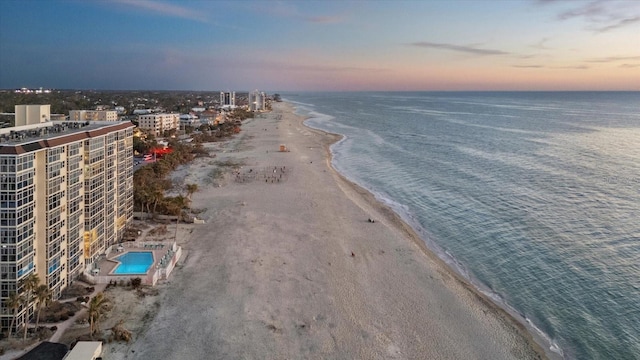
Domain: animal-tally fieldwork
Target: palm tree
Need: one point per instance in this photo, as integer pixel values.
(43, 296)
(29, 285)
(13, 303)
(156, 195)
(176, 205)
(95, 311)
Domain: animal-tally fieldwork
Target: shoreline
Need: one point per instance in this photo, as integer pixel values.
(293, 269)
(537, 341)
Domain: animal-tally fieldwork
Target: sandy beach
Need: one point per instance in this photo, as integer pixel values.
(287, 266)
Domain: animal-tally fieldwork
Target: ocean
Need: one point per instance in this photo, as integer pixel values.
(533, 196)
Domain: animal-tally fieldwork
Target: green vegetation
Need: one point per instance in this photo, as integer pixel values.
(29, 286)
(43, 296)
(151, 181)
(13, 303)
(96, 309)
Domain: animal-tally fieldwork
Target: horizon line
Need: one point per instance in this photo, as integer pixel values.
(328, 91)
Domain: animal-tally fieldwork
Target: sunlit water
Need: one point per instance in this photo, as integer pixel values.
(533, 196)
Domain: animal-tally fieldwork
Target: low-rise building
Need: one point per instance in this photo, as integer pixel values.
(159, 123)
(208, 117)
(93, 115)
(189, 120)
(142, 111)
(32, 114)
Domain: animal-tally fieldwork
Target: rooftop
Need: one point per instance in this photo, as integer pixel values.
(20, 139)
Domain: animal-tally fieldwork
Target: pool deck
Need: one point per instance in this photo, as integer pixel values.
(165, 256)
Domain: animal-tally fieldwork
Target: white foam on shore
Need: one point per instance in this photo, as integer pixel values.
(316, 120)
(553, 345)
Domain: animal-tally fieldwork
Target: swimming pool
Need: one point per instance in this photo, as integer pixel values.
(135, 262)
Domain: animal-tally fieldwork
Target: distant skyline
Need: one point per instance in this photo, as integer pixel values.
(321, 45)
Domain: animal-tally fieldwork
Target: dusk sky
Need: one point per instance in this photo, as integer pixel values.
(321, 45)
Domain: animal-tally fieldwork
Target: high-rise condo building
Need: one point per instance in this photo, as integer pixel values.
(66, 196)
(228, 99)
(257, 101)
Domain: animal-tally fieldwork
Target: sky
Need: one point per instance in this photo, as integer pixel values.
(335, 45)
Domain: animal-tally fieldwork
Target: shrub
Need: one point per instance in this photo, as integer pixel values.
(64, 317)
(136, 282)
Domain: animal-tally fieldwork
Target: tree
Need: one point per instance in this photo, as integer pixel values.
(140, 146)
(13, 303)
(169, 133)
(43, 296)
(29, 285)
(175, 206)
(191, 188)
(157, 195)
(95, 312)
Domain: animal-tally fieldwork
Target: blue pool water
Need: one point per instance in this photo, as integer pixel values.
(134, 263)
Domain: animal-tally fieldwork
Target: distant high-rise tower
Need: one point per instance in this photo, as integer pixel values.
(257, 101)
(228, 99)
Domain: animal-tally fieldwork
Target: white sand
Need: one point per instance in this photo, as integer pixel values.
(271, 274)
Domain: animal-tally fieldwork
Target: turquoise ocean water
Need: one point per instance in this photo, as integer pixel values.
(534, 196)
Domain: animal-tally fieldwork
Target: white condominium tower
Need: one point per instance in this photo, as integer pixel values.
(66, 196)
(228, 99)
(257, 100)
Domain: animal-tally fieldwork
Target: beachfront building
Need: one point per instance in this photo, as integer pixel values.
(66, 196)
(189, 120)
(257, 101)
(159, 123)
(93, 115)
(208, 117)
(228, 100)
